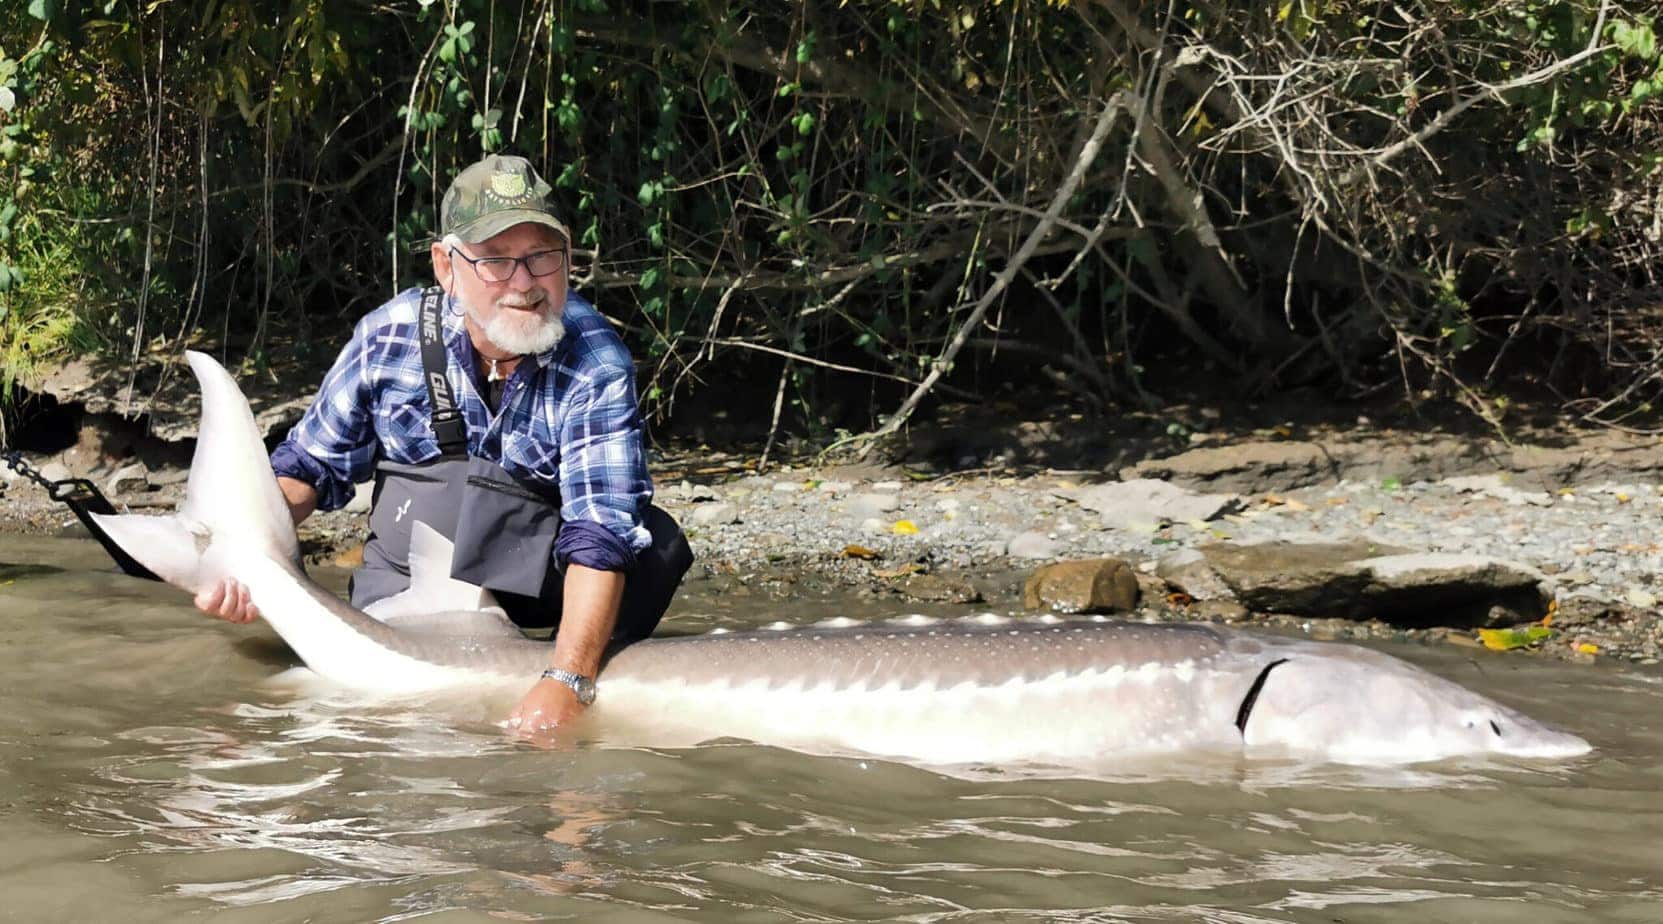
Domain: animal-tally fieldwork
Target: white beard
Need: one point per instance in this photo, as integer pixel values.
(511, 334)
(514, 330)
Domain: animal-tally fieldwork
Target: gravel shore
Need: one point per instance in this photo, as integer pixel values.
(1597, 543)
(969, 538)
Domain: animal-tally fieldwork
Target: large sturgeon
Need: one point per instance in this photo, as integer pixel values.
(934, 692)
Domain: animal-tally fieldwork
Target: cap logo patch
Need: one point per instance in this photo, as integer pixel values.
(508, 186)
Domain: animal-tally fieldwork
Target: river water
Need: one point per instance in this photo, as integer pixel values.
(152, 769)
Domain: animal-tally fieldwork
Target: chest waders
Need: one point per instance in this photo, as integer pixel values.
(503, 528)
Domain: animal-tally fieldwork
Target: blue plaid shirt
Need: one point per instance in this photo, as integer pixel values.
(568, 418)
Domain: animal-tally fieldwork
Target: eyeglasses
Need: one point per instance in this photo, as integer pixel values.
(502, 269)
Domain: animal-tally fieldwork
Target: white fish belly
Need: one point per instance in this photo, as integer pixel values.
(335, 650)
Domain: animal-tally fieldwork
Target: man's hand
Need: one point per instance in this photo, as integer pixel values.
(589, 611)
(549, 703)
(228, 600)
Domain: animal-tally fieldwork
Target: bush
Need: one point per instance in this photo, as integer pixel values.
(1460, 197)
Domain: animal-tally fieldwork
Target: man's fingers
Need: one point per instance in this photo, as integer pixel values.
(245, 604)
(228, 600)
(528, 723)
(208, 601)
(236, 599)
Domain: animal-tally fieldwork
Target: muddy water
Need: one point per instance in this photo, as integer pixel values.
(151, 769)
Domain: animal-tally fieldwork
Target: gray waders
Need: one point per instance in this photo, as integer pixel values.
(503, 528)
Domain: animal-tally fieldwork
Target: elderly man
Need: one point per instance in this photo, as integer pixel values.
(499, 408)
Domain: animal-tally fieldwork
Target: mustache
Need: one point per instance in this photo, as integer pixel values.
(522, 300)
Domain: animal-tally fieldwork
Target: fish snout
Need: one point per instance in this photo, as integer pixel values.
(1516, 735)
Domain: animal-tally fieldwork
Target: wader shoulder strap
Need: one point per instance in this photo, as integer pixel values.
(449, 427)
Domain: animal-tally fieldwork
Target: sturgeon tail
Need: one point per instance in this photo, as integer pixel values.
(232, 506)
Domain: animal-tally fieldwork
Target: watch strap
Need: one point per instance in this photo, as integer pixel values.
(583, 686)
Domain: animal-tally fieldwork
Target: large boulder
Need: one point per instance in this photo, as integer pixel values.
(1099, 585)
(1365, 580)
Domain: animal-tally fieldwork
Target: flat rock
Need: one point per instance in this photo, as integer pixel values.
(1188, 570)
(55, 471)
(939, 588)
(169, 476)
(871, 503)
(1031, 545)
(714, 513)
(128, 479)
(1147, 501)
(1218, 611)
(1496, 486)
(1249, 468)
(1100, 585)
(1283, 465)
(1365, 580)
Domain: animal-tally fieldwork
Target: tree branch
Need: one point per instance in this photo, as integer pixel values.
(1113, 108)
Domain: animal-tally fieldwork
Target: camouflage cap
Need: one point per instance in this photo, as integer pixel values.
(493, 195)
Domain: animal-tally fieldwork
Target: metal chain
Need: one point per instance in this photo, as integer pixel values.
(14, 461)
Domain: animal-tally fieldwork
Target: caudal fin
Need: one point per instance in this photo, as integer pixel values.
(232, 503)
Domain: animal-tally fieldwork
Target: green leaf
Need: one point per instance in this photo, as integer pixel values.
(567, 115)
(43, 10)
(1637, 41)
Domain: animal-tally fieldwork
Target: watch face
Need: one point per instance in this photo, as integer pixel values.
(585, 689)
(579, 684)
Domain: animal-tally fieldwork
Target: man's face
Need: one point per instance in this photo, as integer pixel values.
(519, 315)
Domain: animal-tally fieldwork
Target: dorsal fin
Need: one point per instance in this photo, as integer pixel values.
(490, 622)
(432, 589)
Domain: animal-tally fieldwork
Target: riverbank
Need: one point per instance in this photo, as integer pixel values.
(1582, 509)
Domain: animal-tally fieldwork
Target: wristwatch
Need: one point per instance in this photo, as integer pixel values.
(583, 686)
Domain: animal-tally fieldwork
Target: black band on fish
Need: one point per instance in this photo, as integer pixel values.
(1252, 697)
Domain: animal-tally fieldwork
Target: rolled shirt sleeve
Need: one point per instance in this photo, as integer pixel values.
(603, 473)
